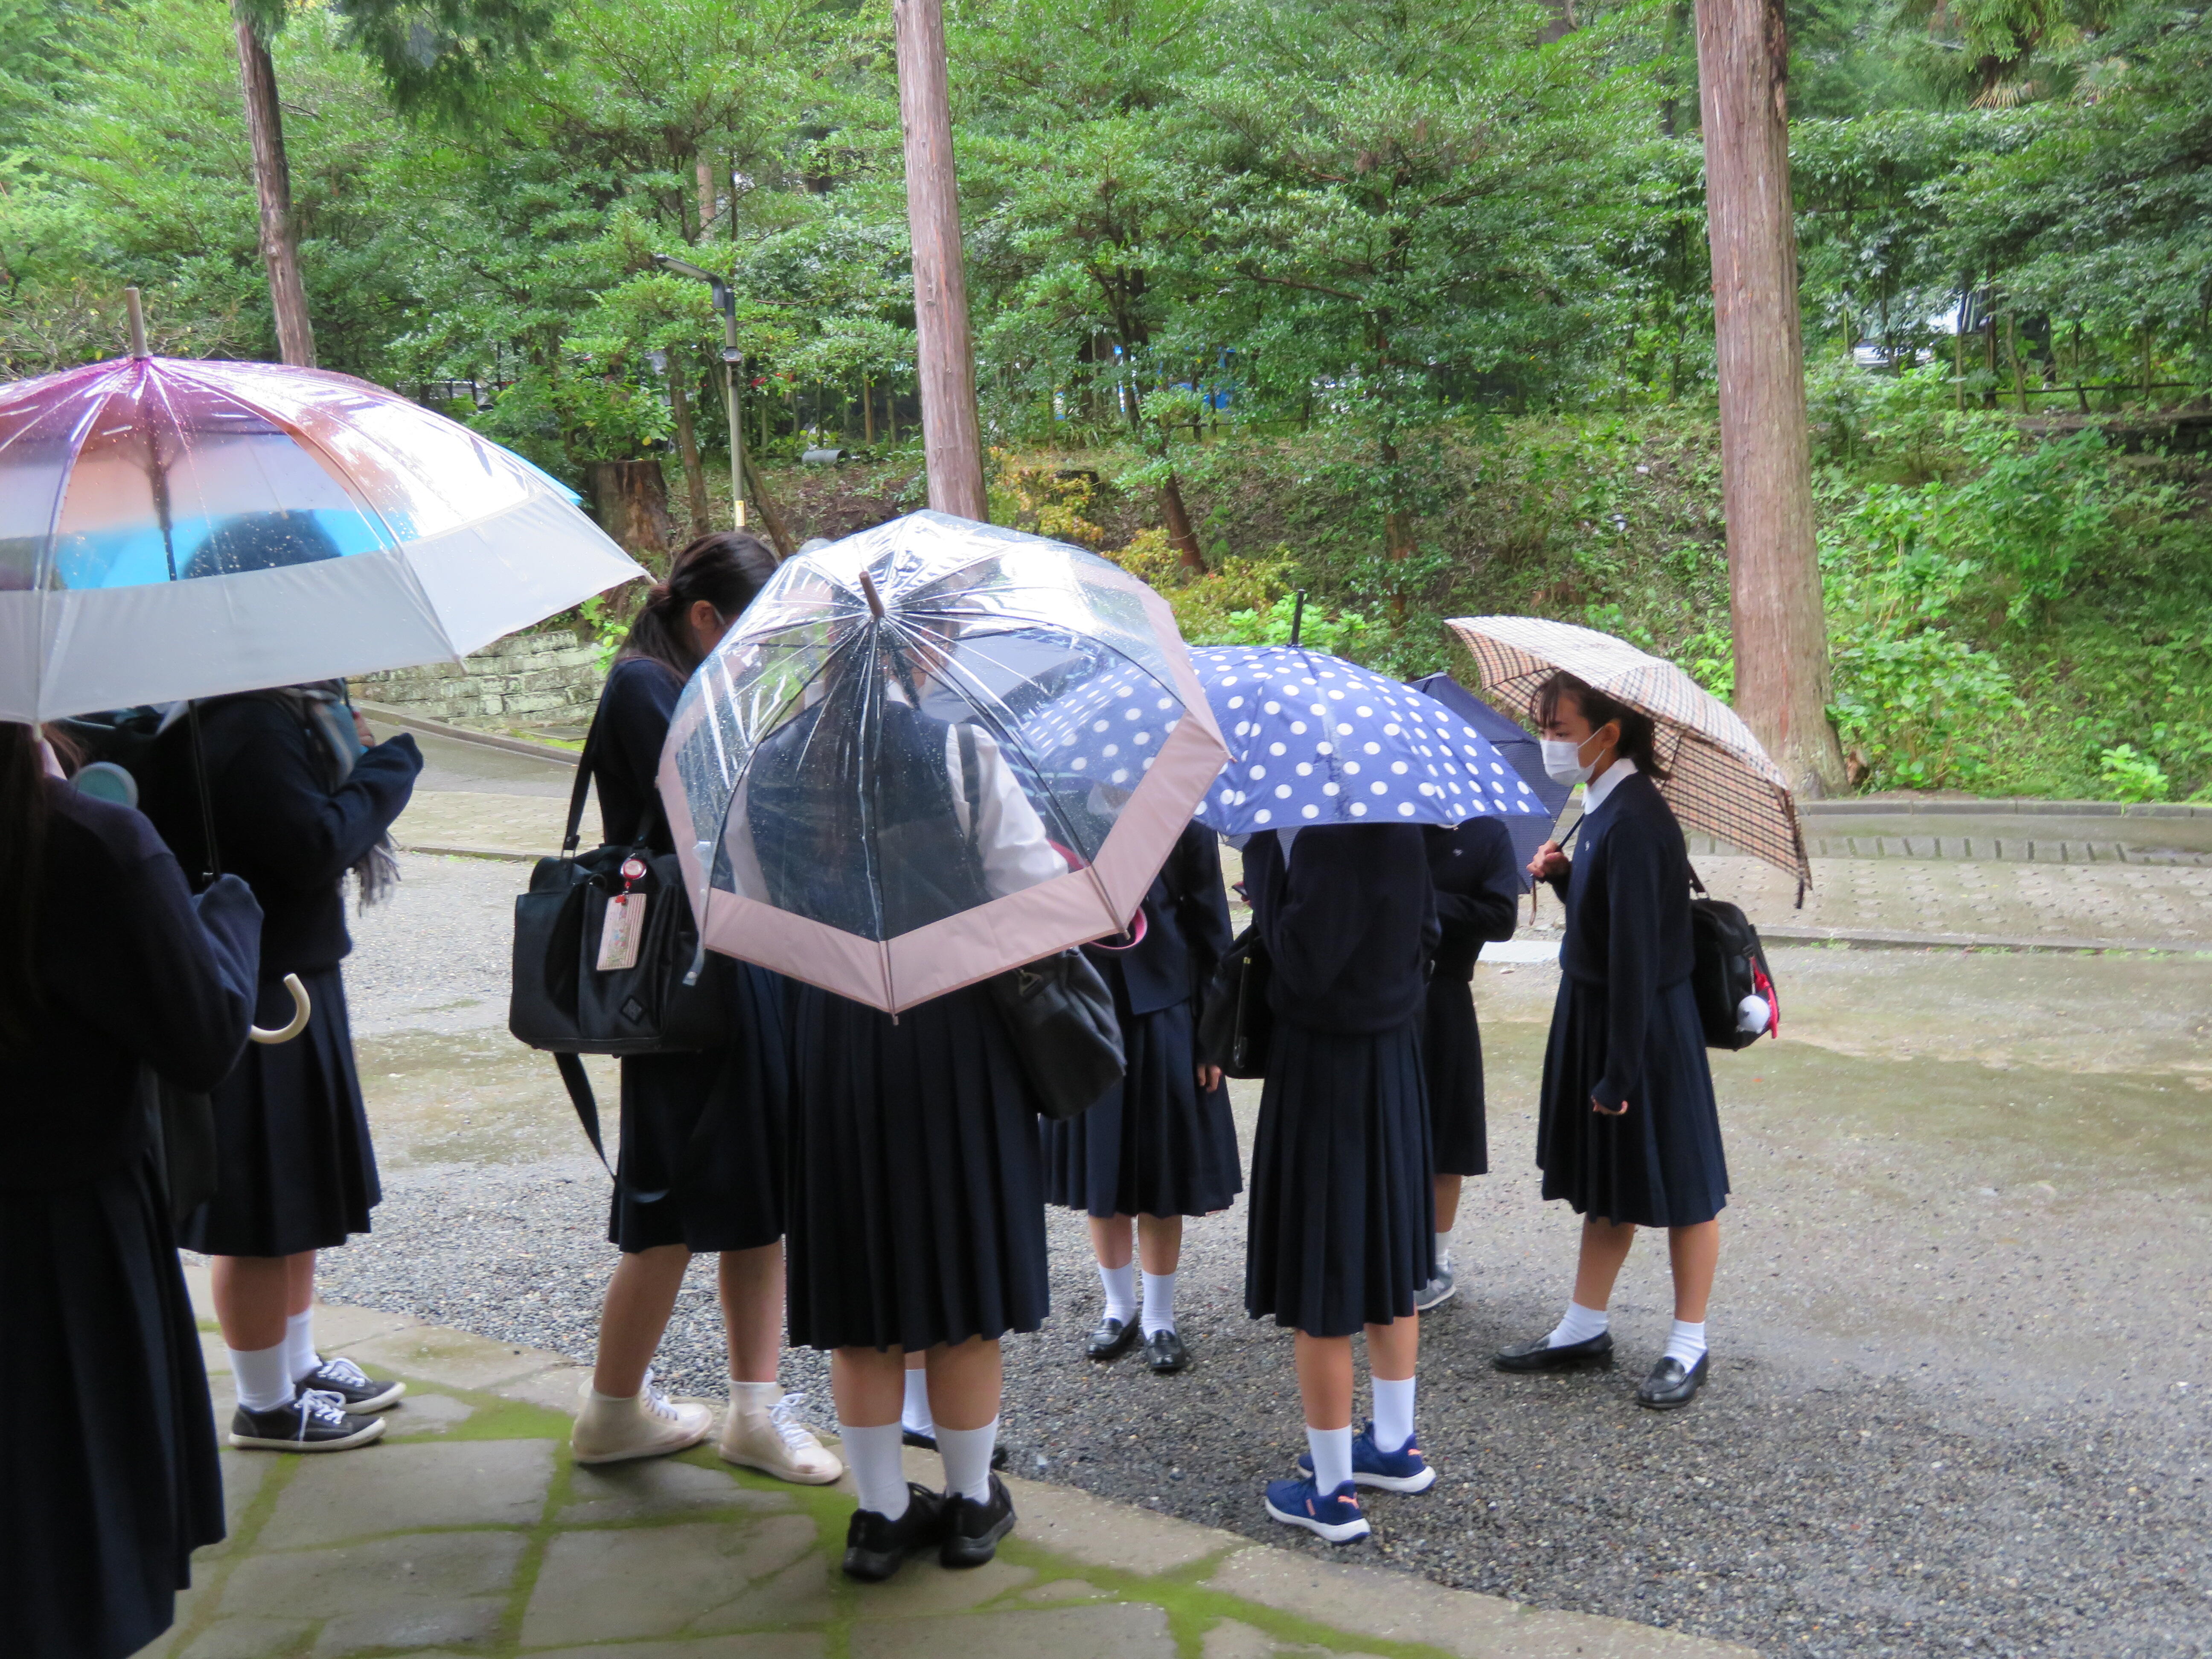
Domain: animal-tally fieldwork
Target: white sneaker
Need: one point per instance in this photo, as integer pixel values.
(651, 1425)
(777, 1443)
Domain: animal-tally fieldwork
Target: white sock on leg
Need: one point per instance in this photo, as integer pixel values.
(1159, 1303)
(1332, 1456)
(878, 1473)
(754, 1396)
(300, 1344)
(263, 1376)
(1443, 1253)
(1687, 1343)
(967, 1455)
(1580, 1325)
(914, 1417)
(1120, 1284)
(1394, 1413)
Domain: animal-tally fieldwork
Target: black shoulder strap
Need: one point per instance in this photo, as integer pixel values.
(583, 786)
(578, 1085)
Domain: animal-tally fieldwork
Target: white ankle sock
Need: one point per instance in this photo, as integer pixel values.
(967, 1455)
(263, 1376)
(1332, 1456)
(754, 1396)
(1120, 1284)
(1394, 1413)
(914, 1417)
(1687, 1344)
(300, 1344)
(879, 1472)
(1159, 1303)
(1580, 1325)
(1443, 1253)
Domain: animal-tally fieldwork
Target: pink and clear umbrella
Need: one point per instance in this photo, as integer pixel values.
(174, 529)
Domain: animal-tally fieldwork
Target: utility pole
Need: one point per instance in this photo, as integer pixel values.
(272, 182)
(734, 360)
(1781, 679)
(951, 436)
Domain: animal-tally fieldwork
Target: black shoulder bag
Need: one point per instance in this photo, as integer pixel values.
(1730, 965)
(563, 1002)
(1235, 1024)
(1058, 1010)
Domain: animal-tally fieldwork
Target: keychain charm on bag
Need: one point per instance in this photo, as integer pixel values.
(623, 925)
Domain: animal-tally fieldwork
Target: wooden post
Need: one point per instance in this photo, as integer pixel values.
(272, 182)
(1782, 678)
(951, 435)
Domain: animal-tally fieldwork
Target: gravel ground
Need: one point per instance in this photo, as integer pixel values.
(1952, 1408)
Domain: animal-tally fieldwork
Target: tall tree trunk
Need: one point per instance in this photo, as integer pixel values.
(705, 169)
(1180, 533)
(951, 435)
(631, 500)
(272, 182)
(1766, 486)
(687, 446)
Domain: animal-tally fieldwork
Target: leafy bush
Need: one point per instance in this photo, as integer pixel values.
(2133, 776)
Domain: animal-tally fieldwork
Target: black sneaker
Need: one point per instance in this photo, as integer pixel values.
(928, 1443)
(310, 1421)
(357, 1391)
(972, 1530)
(876, 1548)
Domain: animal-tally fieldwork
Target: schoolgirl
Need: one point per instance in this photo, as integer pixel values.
(702, 1133)
(109, 976)
(1162, 1145)
(1342, 1235)
(1627, 1132)
(1478, 895)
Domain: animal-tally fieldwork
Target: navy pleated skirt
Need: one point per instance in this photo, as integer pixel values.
(1155, 1144)
(702, 1135)
(294, 1170)
(1451, 1054)
(108, 1477)
(1343, 1215)
(916, 1202)
(1660, 1163)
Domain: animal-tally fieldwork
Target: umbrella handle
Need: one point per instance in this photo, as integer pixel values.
(301, 1008)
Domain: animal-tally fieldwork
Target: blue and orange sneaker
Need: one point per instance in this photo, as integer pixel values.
(1300, 1503)
(1403, 1470)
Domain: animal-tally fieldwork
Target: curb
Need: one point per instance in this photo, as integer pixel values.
(400, 717)
(1996, 808)
(1856, 938)
(505, 854)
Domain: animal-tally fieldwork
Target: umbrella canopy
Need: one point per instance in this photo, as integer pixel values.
(1722, 780)
(930, 752)
(175, 529)
(1315, 739)
(1529, 830)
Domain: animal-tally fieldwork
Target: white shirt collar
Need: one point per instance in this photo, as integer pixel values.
(1594, 794)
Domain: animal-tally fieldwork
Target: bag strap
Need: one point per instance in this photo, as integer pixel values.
(568, 837)
(578, 1085)
(971, 785)
(1697, 886)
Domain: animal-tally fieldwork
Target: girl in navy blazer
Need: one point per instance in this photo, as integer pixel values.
(1626, 1132)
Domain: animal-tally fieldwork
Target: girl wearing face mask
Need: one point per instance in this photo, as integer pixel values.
(1627, 1132)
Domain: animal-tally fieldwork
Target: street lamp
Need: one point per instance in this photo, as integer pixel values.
(726, 302)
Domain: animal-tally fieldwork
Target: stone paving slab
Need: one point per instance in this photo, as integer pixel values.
(469, 1533)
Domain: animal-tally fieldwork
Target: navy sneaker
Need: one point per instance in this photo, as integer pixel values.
(1403, 1470)
(1300, 1503)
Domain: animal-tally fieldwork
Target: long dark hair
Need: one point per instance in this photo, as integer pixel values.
(1637, 734)
(727, 569)
(23, 809)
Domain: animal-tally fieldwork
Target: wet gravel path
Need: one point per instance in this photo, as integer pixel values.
(1954, 1410)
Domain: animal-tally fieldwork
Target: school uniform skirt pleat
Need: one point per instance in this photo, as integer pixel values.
(295, 1168)
(1156, 1143)
(108, 1477)
(1660, 1163)
(1342, 1228)
(701, 1162)
(916, 1201)
(1451, 1052)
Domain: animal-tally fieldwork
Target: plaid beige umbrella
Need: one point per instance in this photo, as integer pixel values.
(1722, 780)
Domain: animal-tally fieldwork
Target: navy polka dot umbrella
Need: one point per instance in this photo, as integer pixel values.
(1313, 740)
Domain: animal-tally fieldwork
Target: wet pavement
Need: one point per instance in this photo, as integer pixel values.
(1960, 1343)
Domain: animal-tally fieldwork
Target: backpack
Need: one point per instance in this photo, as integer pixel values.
(1730, 965)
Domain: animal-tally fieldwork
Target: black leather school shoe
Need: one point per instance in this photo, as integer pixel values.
(876, 1548)
(1164, 1352)
(972, 1530)
(1669, 1388)
(928, 1443)
(1537, 1355)
(1113, 1336)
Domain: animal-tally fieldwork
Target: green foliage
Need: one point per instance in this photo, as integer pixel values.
(2133, 776)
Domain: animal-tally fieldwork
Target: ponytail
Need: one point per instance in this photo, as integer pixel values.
(727, 569)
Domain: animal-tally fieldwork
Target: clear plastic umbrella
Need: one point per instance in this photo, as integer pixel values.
(171, 529)
(932, 752)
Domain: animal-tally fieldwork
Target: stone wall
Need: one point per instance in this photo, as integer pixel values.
(526, 679)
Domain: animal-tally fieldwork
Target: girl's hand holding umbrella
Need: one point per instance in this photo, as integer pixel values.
(1549, 864)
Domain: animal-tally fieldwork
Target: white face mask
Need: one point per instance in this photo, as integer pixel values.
(1563, 761)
